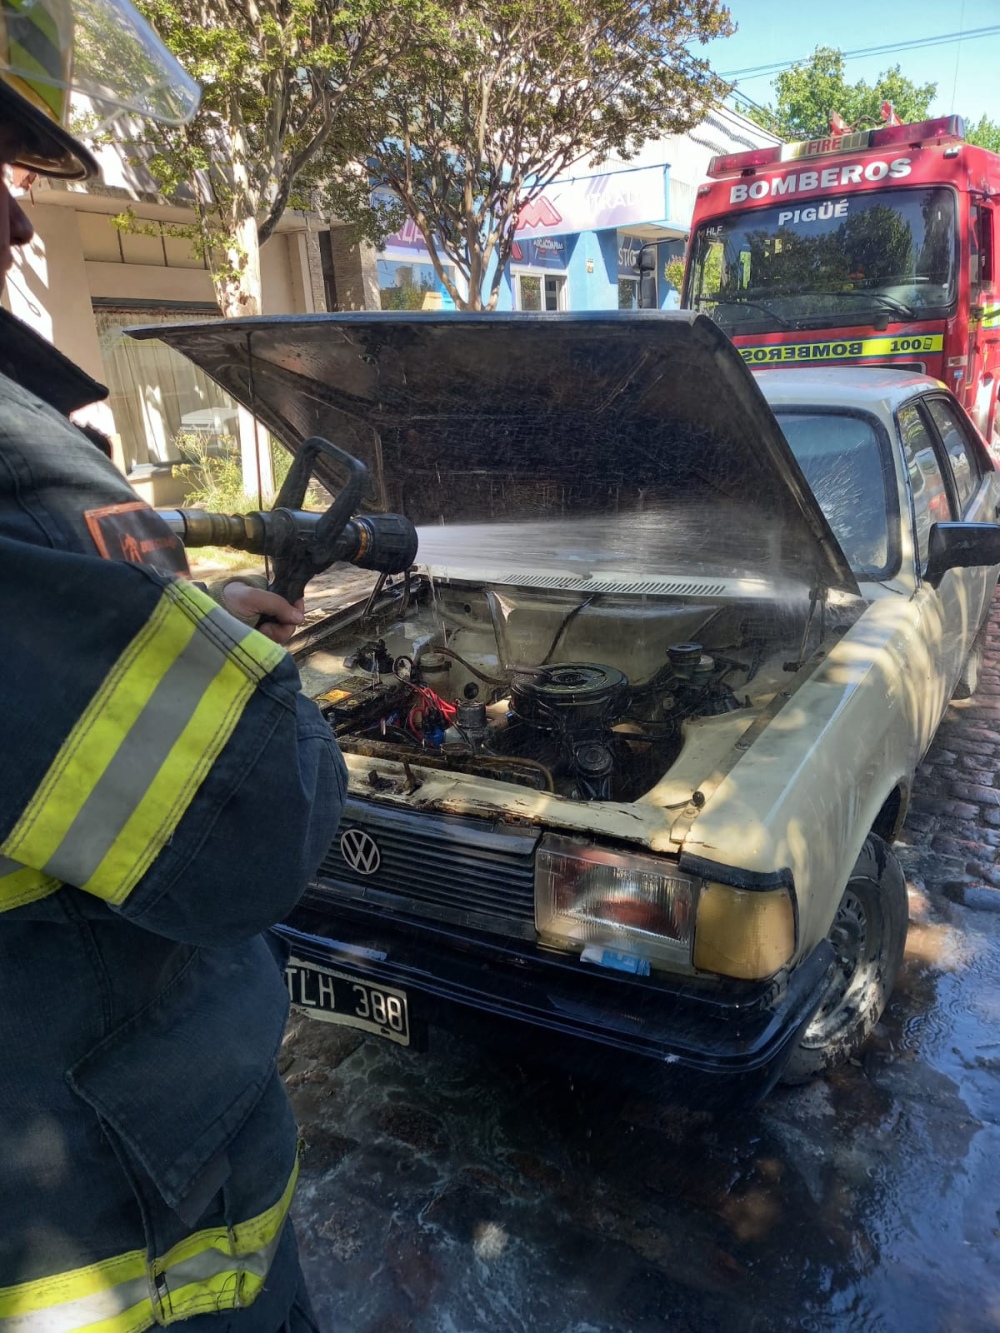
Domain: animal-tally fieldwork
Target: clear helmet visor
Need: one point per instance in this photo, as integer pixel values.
(101, 50)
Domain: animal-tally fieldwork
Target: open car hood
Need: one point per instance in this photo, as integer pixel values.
(630, 449)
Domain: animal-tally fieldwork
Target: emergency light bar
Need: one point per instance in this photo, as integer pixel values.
(921, 132)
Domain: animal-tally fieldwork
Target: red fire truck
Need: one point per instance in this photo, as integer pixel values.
(867, 247)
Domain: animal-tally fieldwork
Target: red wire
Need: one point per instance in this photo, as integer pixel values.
(428, 700)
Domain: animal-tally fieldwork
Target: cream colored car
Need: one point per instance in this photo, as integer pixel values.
(629, 747)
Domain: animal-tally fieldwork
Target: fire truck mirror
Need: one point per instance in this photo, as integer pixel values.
(646, 264)
(986, 244)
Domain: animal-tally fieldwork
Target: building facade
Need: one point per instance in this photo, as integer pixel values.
(577, 244)
(84, 281)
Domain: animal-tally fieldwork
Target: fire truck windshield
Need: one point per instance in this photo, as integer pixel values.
(853, 259)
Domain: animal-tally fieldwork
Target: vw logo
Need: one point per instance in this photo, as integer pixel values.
(360, 851)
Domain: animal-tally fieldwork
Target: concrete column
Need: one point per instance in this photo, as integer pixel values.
(255, 456)
(313, 270)
(355, 270)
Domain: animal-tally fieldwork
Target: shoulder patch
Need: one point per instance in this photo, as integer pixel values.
(135, 533)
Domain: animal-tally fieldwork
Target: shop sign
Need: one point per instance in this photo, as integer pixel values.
(407, 244)
(596, 203)
(586, 203)
(540, 252)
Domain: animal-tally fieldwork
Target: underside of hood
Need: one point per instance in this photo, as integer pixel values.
(580, 443)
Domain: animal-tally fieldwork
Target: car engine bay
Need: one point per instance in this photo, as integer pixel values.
(587, 697)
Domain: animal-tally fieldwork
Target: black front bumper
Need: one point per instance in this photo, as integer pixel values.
(709, 1044)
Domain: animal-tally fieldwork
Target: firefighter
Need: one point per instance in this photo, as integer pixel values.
(165, 793)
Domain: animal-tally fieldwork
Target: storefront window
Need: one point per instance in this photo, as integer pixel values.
(541, 291)
(408, 286)
(628, 294)
(161, 403)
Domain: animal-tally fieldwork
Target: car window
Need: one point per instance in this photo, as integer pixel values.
(839, 454)
(927, 484)
(961, 450)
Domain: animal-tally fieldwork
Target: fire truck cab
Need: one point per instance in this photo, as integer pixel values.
(866, 247)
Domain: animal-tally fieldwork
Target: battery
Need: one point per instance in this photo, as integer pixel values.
(353, 702)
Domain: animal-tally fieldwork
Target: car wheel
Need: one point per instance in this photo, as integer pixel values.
(868, 935)
(968, 680)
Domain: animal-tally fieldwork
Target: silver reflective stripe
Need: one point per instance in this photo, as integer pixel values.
(210, 1263)
(9, 867)
(143, 751)
(200, 1268)
(74, 1316)
(129, 1306)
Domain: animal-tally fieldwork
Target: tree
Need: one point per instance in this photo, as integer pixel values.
(985, 133)
(492, 100)
(809, 93)
(277, 77)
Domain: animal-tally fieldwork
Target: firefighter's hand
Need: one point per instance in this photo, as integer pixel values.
(247, 603)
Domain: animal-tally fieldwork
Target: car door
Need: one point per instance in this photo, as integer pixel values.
(949, 612)
(975, 491)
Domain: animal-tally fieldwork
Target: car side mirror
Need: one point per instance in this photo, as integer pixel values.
(646, 264)
(961, 546)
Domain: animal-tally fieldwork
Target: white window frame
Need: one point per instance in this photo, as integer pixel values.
(542, 273)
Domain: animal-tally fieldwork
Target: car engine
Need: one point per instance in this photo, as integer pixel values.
(583, 697)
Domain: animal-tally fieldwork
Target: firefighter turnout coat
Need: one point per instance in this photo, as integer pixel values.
(165, 794)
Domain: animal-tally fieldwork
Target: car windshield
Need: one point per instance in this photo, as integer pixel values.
(839, 454)
(847, 260)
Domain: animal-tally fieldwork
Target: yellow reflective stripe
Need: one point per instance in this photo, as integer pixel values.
(165, 710)
(170, 793)
(95, 738)
(225, 1291)
(104, 1297)
(34, 48)
(52, 99)
(242, 1239)
(842, 349)
(20, 884)
(256, 1231)
(48, 1292)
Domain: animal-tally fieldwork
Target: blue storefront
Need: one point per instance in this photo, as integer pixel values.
(576, 249)
(590, 270)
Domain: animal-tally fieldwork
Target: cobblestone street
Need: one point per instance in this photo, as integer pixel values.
(450, 1192)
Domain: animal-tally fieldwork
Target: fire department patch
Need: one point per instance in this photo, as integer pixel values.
(135, 533)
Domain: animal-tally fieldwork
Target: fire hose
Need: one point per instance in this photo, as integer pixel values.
(304, 543)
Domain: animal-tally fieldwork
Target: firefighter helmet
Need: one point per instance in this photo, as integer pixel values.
(101, 50)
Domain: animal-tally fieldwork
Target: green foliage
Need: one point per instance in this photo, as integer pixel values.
(214, 479)
(809, 93)
(674, 273)
(488, 101)
(273, 129)
(407, 295)
(214, 473)
(985, 133)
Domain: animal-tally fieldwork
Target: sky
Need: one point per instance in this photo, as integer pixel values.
(967, 73)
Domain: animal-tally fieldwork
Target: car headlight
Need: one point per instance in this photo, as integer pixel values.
(646, 907)
(638, 905)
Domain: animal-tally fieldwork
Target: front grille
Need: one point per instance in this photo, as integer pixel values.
(446, 867)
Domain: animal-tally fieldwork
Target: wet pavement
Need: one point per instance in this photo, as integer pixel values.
(452, 1192)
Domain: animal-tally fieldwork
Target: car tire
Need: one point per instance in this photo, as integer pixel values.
(868, 935)
(968, 679)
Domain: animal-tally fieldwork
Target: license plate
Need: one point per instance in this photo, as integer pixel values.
(335, 997)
